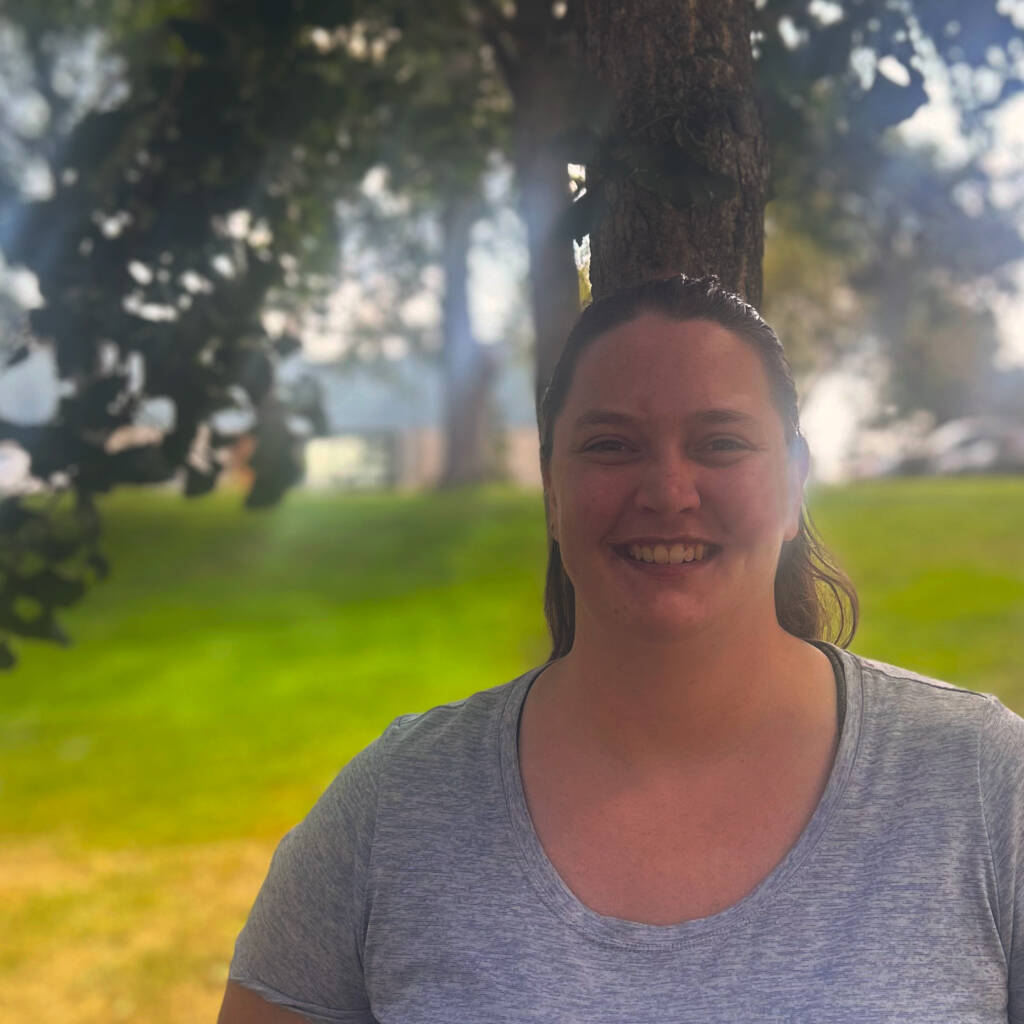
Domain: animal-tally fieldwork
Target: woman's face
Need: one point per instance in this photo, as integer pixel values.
(670, 488)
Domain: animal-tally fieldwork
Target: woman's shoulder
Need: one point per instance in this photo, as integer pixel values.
(897, 675)
(421, 749)
(412, 763)
(458, 725)
(912, 689)
(913, 703)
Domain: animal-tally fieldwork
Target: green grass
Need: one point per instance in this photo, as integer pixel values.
(235, 660)
(939, 565)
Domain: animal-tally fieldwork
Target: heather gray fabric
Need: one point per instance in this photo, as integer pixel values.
(417, 892)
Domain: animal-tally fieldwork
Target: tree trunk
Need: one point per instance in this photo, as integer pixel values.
(468, 367)
(543, 180)
(681, 179)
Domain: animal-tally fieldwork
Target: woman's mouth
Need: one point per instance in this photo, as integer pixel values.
(668, 554)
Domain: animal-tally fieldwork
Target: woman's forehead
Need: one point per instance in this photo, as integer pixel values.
(657, 361)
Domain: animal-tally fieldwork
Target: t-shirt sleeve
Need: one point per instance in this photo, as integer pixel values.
(302, 945)
(1001, 776)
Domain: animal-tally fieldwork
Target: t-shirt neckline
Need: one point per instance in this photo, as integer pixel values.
(564, 903)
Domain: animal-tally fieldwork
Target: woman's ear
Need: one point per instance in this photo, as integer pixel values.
(799, 467)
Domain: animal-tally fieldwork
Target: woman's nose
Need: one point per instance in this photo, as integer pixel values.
(669, 484)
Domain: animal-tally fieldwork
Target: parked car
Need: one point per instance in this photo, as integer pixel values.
(975, 444)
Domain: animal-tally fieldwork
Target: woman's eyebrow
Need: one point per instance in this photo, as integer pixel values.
(723, 416)
(603, 417)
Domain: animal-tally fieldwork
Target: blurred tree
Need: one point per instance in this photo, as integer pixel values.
(681, 164)
(929, 267)
(868, 232)
(194, 184)
(469, 368)
(195, 193)
(940, 349)
(914, 273)
(808, 296)
(903, 246)
(1004, 392)
(449, 122)
(533, 44)
(197, 190)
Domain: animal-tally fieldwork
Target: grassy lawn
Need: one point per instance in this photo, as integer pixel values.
(235, 660)
(939, 565)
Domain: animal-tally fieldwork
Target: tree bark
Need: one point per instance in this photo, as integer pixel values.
(681, 178)
(543, 180)
(539, 63)
(468, 367)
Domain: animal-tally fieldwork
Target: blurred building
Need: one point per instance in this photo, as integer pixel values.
(384, 422)
(386, 425)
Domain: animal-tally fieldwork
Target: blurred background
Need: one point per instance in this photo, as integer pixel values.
(276, 297)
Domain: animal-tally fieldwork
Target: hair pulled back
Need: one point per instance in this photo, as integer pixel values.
(814, 598)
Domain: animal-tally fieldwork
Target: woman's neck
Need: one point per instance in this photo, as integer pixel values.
(688, 702)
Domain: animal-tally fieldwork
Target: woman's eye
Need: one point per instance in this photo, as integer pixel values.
(605, 444)
(726, 444)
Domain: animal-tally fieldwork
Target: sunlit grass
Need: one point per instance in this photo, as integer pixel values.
(234, 661)
(939, 564)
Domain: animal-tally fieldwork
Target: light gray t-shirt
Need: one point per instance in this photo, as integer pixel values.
(417, 891)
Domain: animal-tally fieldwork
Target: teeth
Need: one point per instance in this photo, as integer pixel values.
(662, 554)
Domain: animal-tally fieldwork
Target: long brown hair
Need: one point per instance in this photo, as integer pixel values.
(814, 598)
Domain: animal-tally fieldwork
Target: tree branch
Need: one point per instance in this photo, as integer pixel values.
(495, 30)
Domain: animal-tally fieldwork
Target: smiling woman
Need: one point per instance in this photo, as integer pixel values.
(699, 809)
(813, 597)
(668, 440)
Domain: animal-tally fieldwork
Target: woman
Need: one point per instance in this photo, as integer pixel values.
(697, 810)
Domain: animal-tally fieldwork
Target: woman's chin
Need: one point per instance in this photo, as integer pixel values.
(665, 621)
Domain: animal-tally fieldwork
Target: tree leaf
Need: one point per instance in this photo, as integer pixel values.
(19, 355)
(887, 103)
(198, 483)
(52, 589)
(14, 514)
(330, 13)
(199, 36)
(8, 659)
(253, 369)
(42, 627)
(99, 565)
(287, 344)
(97, 135)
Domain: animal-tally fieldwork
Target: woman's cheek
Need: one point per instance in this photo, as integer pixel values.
(748, 500)
(601, 490)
